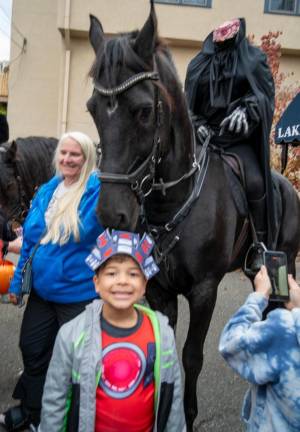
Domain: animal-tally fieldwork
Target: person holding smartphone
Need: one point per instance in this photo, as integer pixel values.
(267, 354)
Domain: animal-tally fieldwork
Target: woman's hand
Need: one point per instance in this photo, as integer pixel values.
(14, 246)
(294, 294)
(14, 299)
(262, 282)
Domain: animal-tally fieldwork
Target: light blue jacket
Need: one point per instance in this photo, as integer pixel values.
(59, 272)
(267, 354)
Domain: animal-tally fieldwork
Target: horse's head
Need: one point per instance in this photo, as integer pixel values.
(11, 202)
(135, 89)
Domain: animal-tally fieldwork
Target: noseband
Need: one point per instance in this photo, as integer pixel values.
(145, 173)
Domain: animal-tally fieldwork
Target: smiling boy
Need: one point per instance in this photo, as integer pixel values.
(114, 367)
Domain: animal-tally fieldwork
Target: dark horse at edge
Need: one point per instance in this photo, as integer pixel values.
(25, 164)
(148, 163)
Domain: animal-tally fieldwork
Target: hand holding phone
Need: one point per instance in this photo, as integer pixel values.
(276, 264)
(262, 282)
(294, 294)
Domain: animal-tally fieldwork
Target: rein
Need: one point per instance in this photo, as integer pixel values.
(19, 211)
(201, 166)
(24, 203)
(196, 165)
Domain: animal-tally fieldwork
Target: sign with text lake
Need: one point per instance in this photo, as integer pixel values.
(288, 128)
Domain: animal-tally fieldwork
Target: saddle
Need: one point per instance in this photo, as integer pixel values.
(233, 167)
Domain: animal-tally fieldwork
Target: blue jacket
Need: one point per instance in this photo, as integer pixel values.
(267, 354)
(59, 272)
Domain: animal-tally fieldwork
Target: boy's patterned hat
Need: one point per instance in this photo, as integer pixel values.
(123, 242)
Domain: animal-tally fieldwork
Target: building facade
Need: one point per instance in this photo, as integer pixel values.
(3, 87)
(48, 82)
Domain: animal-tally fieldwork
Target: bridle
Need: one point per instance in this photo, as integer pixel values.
(22, 207)
(143, 175)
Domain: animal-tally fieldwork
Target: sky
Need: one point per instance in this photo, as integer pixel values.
(5, 19)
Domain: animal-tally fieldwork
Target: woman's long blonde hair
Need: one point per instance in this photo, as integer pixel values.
(65, 222)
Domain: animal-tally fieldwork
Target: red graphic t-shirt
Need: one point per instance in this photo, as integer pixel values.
(125, 393)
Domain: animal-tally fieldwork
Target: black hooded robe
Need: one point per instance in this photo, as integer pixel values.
(224, 76)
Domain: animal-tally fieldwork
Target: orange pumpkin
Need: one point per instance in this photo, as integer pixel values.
(7, 269)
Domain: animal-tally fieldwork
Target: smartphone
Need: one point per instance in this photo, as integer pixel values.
(276, 264)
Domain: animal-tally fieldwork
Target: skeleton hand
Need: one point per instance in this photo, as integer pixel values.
(203, 132)
(236, 122)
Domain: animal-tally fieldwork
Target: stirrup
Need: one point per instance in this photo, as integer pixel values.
(255, 249)
(16, 419)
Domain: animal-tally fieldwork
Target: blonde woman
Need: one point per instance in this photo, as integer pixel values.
(63, 218)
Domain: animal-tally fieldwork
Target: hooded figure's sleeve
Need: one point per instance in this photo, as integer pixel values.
(261, 93)
(191, 88)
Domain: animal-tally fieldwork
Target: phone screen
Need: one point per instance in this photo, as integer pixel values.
(276, 264)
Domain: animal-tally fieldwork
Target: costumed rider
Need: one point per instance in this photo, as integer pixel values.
(230, 91)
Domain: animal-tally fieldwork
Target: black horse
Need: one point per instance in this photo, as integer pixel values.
(25, 164)
(150, 162)
(4, 129)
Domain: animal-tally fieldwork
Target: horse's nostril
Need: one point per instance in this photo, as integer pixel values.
(123, 222)
(115, 220)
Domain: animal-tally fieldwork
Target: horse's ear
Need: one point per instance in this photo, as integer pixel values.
(96, 34)
(146, 40)
(10, 155)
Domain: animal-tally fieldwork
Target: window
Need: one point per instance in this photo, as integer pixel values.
(202, 3)
(286, 7)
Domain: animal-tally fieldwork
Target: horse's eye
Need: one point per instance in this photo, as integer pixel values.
(144, 114)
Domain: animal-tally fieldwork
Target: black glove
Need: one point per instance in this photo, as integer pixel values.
(236, 122)
(203, 132)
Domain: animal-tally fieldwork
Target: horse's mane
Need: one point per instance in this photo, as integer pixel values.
(27, 161)
(34, 158)
(113, 54)
(118, 52)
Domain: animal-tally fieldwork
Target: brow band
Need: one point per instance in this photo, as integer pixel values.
(126, 84)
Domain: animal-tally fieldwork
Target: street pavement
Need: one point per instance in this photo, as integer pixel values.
(220, 391)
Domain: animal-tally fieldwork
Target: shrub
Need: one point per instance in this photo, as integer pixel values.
(284, 93)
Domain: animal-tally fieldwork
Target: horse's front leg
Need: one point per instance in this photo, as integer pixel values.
(163, 300)
(202, 299)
